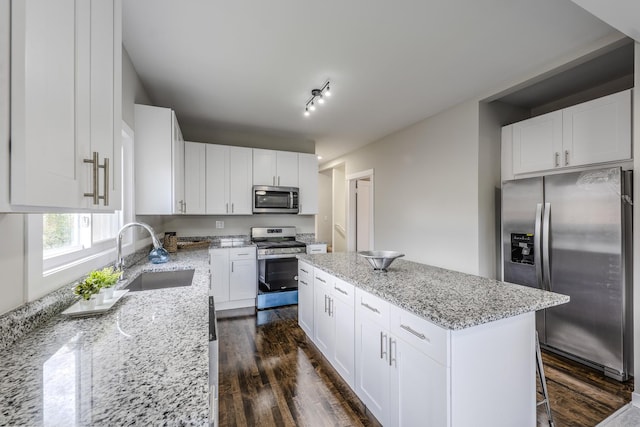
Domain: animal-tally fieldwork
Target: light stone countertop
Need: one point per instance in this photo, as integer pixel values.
(450, 299)
(145, 362)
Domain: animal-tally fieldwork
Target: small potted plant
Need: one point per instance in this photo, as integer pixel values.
(86, 289)
(105, 279)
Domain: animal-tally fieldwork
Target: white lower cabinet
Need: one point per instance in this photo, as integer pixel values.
(305, 297)
(333, 322)
(234, 279)
(409, 371)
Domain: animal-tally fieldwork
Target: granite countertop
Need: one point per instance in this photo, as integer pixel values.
(145, 362)
(450, 299)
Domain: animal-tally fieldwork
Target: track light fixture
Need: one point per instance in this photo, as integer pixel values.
(317, 95)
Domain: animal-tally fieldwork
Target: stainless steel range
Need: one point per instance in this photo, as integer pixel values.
(277, 265)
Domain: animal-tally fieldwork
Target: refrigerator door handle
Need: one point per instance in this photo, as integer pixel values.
(537, 253)
(546, 230)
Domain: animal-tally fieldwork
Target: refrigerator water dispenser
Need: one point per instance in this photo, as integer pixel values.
(522, 248)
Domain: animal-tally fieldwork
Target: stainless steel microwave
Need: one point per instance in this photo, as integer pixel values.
(267, 199)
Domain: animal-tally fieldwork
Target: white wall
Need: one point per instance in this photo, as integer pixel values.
(636, 221)
(324, 219)
(339, 213)
(133, 91)
(426, 189)
(188, 226)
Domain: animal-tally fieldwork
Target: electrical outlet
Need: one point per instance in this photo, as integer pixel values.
(219, 224)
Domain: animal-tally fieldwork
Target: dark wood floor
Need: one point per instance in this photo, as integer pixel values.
(580, 396)
(270, 375)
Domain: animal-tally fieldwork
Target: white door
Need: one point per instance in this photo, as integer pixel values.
(217, 186)
(372, 379)
(194, 177)
(47, 167)
(240, 176)
(363, 215)
(323, 322)
(537, 143)
(287, 168)
(305, 299)
(344, 342)
(598, 131)
(242, 280)
(177, 156)
(219, 269)
(419, 388)
(264, 167)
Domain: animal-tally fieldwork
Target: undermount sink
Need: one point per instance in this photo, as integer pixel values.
(151, 280)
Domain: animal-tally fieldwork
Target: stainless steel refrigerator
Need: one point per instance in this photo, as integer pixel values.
(571, 233)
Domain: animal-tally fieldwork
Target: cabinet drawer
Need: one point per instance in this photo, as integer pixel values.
(323, 279)
(317, 248)
(305, 274)
(430, 339)
(237, 254)
(372, 308)
(343, 291)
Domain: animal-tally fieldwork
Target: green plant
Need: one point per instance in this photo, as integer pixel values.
(86, 288)
(104, 278)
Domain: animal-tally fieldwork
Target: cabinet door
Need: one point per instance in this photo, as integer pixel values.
(305, 298)
(308, 184)
(324, 329)
(105, 100)
(240, 175)
(537, 143)
(597, 131)
(194, 177)
(287, 169)
(47, 166)
(219, 266)
(177, 153)
(217, 186)
(243, 280)
(264, 167)
(419, 388)
(344, 342)
(372, 376)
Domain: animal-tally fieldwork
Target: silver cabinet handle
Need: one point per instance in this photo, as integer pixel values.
(566, 157)
(278, 180)
(273, 180)
(322, 280)
(227, 208)
(391, 358)
(303, 282)
(325, 303)
(105, 196)
(330, 306)
(184, 207)
(341, 290)
(304, 271)
(232, 262)
(375, 310)
(94, 177)
(243, 254)
(383, 340)
(232, 207)
(557, 159)
(414, 332)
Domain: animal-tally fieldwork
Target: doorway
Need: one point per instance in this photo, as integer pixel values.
(360, 211)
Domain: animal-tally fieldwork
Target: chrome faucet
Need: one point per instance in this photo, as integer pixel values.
(119, 258)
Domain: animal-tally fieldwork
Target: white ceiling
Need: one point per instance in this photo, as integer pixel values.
(252, 64)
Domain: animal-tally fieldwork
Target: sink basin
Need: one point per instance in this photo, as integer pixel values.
(161, 279)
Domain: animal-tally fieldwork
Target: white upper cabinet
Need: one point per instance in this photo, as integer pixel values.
(593, 132)
(271, 167)
(159, 162)
(597, 131)
(66, 105)
(194, 177)
(228, 180)
(537, 143)
(308, 184)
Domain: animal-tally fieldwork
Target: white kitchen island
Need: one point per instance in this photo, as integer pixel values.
(425, 346)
